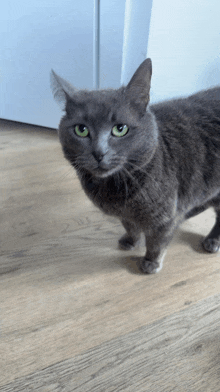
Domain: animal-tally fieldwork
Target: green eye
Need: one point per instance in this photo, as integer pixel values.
(81, 130)
(120, 130)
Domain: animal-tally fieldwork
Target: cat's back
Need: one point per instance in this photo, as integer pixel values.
(191, 117)
(205, 99)
(210, 95)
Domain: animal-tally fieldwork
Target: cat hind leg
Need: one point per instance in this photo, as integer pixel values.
(211, 243)
(196, 211)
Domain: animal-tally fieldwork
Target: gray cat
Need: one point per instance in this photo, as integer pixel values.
(152, 167)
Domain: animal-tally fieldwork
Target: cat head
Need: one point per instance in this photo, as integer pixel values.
(106, 131)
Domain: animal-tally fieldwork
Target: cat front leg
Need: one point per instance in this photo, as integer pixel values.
(157, 243)
(131, 237)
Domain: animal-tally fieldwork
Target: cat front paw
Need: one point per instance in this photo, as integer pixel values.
(126, 242)
(149, 267)
(211, 245)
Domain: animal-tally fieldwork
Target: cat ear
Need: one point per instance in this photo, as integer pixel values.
(138, 89)
(62, 90)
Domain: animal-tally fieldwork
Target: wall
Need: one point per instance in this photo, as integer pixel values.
(184, 44)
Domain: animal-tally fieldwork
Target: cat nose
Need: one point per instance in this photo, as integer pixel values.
(98, 155)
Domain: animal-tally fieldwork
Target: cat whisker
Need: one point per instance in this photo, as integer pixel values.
(135, 166)
(134, 180)
(138, 168)
(123, 177)
(56, 176)
(139, 186)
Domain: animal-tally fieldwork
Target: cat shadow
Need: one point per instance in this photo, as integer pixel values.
(130, 263)
(194, 240)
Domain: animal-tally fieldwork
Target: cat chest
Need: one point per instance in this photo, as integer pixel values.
(134, 209)
(112, 201)
(133, 206)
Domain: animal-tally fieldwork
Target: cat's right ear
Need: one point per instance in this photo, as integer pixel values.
(137, 91)
(62, 90)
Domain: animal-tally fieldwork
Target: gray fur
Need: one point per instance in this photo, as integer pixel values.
(164, 170)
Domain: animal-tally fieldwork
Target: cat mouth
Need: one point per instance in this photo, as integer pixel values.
(104, 172)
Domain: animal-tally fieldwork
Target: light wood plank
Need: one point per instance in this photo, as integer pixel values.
(178, 353)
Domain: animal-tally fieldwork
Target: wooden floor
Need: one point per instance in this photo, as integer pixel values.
(76, 314)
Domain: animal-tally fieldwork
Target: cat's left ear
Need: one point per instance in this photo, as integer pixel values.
(62, 90)
(137, 91)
